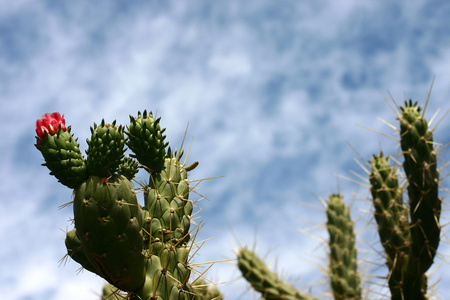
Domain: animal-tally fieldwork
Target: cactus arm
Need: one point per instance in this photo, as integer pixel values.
(109, 222)
(265, 281)
(344, 278)
(167, 213)
(423, 182)
(391, 215)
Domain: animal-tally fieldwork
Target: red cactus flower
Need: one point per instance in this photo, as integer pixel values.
(49, 123)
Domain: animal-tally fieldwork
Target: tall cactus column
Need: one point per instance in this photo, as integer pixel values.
(167, 212)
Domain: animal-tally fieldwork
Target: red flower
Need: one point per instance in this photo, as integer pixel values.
(49, 123)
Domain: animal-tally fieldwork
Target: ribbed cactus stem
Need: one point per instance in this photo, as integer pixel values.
(167, 213)
(108, 224)
(344, 277)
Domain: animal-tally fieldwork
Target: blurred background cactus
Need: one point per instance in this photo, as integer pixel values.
(409, 230)
(143, 252)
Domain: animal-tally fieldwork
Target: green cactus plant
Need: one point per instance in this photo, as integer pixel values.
(143, 252)
(409, 230)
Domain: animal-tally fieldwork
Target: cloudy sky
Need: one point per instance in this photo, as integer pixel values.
(273, 92)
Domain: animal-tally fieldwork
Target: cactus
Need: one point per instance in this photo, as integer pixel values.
(143, 252)
(409, 231)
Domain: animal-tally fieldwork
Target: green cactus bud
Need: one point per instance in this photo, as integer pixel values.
(60, 150)
(108, 220)
(128, 167)
(106, 149)
(146, 140)
(344, 277)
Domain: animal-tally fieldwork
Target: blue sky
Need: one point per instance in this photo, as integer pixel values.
(273, 92)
